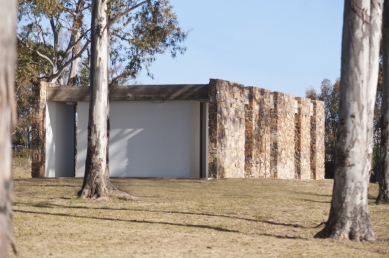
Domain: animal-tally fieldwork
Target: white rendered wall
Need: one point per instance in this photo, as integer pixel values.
(59, 140)
(148, 139)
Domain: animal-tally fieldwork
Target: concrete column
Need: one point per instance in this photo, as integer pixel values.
(38, 142)
(226, 130)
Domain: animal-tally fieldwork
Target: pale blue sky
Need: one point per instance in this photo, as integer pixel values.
(284, 45)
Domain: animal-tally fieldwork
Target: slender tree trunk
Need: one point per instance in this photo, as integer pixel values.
(349, 215)
(8, 12)
(74, 65)
(55, 47)
(77, 23)
(96, 180)
(383, 173)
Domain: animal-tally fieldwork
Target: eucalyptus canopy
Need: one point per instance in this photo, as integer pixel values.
(58, 32)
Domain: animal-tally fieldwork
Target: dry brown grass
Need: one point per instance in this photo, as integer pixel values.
(185, 218)
(21, 168)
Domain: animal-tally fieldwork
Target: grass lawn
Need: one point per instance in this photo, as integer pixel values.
(185, 218)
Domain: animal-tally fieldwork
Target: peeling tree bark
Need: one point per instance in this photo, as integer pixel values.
(383, 174)
(349, 215)
(96, 180)
(8, 12)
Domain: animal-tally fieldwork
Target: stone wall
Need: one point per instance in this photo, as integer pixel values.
(226, 130)
(38, 128)
(303, 139)
(317, 140)
(257, 142)
(282, 136)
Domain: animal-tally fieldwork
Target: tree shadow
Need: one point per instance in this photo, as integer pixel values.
(308, 200)
(225, 230)
(51, 205)
(316, 194)
(372, 197)
(129, 221)
(285, 237)
(53, 185)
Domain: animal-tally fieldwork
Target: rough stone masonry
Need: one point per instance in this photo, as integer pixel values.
(257, 133)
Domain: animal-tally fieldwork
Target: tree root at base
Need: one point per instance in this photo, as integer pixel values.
(382, 200)
(342, 234)
(104, 194)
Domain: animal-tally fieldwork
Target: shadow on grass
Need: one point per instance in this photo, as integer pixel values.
(48, 185)
(130, 221)
(161, 223)
(308, 200)
(47, 205)
(316, 194)
(372, 197)
(284, 237)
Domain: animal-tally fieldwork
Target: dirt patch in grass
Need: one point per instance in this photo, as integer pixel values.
(185, 218)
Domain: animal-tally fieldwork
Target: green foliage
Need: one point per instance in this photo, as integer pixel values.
(29, 66)
(46, 28)
(329, 94)
(377, 120)
(139, 31)
(137, 39)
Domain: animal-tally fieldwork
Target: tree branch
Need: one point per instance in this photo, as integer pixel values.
(25, 44)
(37, 23)
(128, 11)
(114, 33)
(114, 80)
(52, 24)
(71, 45)
(60, 70)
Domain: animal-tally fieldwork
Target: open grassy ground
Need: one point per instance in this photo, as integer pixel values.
(185, 218)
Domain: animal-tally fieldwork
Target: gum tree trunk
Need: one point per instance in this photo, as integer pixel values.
(77, 23)
(383, 174)
(96, 180)
(349, 214)
(8, 12)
